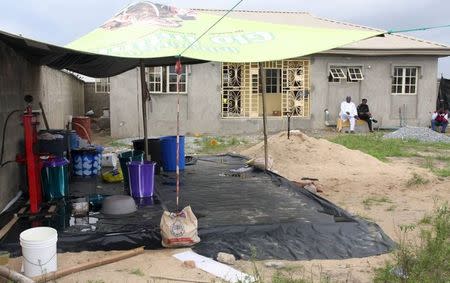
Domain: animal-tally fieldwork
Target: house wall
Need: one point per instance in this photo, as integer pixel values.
(62, 96)
(96, 101)
(376, 87)
(201, 107)
(60, 93)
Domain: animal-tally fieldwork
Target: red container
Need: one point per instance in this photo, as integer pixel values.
(82, 125)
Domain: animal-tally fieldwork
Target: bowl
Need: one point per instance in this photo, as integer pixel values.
(118, 205)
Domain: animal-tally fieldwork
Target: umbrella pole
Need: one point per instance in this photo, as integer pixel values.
(144, 108)
(178, 140)
(262, 80)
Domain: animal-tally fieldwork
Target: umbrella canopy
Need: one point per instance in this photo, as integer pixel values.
(150, 30)
(156, 35)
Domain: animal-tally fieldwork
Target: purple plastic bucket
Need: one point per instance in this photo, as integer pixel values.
(141, 178)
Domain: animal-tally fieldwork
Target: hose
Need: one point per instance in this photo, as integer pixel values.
(85, 131)
(2, 153)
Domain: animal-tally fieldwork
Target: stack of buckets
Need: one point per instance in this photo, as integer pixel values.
(139, 175)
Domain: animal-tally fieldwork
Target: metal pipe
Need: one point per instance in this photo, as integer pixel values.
(262, 79)
(144, 108)
(289, 126)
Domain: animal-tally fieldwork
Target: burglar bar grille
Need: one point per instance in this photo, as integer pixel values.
(240, 88)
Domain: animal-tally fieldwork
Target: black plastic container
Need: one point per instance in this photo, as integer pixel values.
(58, 147)
(154, 150)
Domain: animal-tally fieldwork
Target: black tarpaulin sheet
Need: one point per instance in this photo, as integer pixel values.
(89, 64)
(443, 99)
(257, 214)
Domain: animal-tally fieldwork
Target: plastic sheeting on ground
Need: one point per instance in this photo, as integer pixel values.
(260, 215)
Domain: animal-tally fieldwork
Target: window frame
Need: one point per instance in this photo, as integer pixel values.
(148, 72)
(104, 84)
(403, 78)
(168, 83)
(352, 76)
(277, 77)
(339, 72)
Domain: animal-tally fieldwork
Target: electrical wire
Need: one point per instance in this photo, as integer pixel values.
(417, 29)
(213, 25)
(2, 153)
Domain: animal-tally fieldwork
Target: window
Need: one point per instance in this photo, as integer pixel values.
(273, 81)
(354, 74)
(404, 80)
(164, 79)
(102, 85)
(337, 73)
(172, 80)
(154, 80)
(350, 74)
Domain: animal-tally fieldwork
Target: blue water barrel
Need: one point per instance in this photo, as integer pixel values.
(169, 153)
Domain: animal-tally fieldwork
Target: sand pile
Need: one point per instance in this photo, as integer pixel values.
(333, 164)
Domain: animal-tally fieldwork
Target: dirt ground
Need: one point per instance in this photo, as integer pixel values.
(355, 181)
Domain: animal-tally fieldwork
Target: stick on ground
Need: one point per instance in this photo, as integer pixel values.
(77, 268)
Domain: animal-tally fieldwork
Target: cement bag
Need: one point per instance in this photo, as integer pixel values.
(179, 229)
(259, 163)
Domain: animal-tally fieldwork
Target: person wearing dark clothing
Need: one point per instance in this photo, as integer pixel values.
(439, 119)
(364, 114)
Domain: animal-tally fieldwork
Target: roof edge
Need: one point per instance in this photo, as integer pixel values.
(251, 11)
(441, 52)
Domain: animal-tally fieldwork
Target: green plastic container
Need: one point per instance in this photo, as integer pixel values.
(124, 158)
(55, 178)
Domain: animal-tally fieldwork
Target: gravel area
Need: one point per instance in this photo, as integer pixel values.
(418, 133)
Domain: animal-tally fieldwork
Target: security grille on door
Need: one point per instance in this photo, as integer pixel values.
(240, 88)
(296, 95)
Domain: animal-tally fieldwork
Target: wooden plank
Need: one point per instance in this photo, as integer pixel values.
(51, 211)
(99, 262)
(5, 229)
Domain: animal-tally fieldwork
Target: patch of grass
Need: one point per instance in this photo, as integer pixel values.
(368, 202)
(96, 281)
(426, 220)
(281, 277)
(429, 163)
(442, 172)
(378, 147)
(137, 272)
(118, 144)
(213, 145)
(416, 180)
(424, 261)
(286, 274)
(391, 208)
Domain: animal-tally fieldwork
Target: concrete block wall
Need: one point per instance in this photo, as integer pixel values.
(376, 87)
(95, 101)
(61, 94)
(201, 106)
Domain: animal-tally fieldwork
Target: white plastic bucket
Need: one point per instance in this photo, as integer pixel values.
(39, 250)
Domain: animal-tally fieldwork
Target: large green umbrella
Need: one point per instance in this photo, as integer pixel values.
(149, 30)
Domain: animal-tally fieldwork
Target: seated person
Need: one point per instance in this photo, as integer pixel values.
(364, 114)
(349, 112)
(439, 119)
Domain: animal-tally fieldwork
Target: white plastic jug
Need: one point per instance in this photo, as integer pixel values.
(39, 250)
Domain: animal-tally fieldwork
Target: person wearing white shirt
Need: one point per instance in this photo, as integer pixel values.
(349, 112)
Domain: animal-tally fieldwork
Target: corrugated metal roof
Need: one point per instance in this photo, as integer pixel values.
(390, 44)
